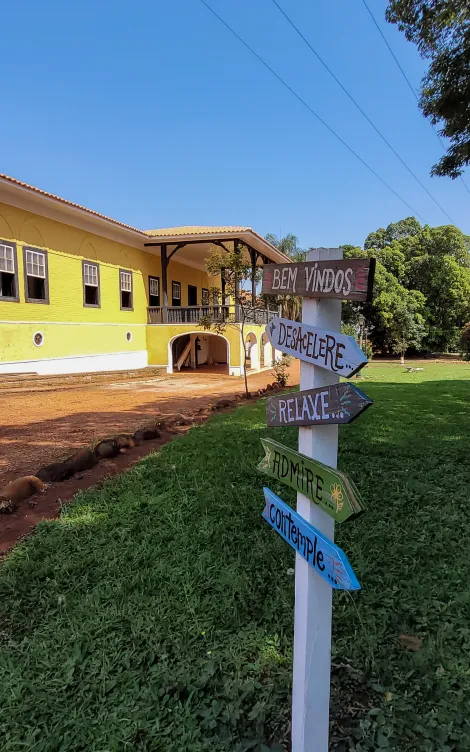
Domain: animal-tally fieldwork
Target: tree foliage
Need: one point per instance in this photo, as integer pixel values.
(291, 305)
(441, 31)
(422, 286)
(236, 271)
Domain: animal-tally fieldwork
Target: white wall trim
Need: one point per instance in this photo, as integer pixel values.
(118, 361)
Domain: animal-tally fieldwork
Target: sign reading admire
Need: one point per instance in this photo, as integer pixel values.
(345, 279)
(323, 485)
(331, 350)
(321, 554)
(337, 403)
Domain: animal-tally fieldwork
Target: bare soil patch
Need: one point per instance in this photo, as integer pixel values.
(47, 422)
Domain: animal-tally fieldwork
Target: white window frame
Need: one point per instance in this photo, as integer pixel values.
(178, 287)
(126, 285)
(35, 262)
(9, 265)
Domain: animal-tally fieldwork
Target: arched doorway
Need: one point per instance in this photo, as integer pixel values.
(198, 351)
(252, 354)
(267, 352)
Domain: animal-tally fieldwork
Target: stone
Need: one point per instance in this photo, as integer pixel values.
(269, 387)
(83, 459)
(55, 472)
(146, 434)
(275, 386)
(22, 488)
(106, 449)
(125, 441)
(7, 506)
(221, 404)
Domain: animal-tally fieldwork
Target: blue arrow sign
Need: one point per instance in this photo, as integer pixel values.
(324, 557)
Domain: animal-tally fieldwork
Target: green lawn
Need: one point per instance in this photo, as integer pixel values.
(157, 613)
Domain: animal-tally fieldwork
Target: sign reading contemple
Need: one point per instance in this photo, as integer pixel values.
(337, 403)
(320, 553)
(346, 279)
(323, 485)
(331, 350)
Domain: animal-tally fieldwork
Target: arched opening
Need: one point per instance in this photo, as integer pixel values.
(198, 351)
(252, 354)
(267, 352)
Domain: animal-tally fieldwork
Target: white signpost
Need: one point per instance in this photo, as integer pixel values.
(313, 595)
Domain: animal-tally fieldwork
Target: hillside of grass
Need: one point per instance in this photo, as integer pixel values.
(157, 613)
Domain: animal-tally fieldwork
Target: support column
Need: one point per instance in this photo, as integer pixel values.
(254, 258)
(164, 262)
(237, 286)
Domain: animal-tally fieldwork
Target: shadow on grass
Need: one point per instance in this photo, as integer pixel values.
(159, 607)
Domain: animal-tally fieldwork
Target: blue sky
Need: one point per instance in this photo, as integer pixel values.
(153, 113)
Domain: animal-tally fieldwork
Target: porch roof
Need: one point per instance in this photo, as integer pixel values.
(198, 239)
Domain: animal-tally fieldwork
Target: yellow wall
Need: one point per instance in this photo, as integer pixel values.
(66, 246)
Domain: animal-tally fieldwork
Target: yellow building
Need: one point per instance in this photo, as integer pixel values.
(81, 292)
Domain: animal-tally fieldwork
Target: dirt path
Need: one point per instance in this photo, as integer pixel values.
(49, 422)
(44, 425)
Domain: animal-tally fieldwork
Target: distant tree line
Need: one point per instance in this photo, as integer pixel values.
(421, 291)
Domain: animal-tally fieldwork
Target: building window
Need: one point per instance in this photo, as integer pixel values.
(91, 284)
(154, 291)
(125, 279)
(36, 282)
(176, 293)
(38, 339)
(8, 272)
(204, 296)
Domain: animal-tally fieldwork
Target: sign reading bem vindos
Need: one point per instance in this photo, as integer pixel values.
(331, 350)
(321, 554)
(329, 488)
(344, 279)
(335, 403)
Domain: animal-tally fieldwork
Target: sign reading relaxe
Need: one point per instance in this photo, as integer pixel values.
(346, 279)
(337, 403)
(323, 556)
(323, 485)
(331, 350)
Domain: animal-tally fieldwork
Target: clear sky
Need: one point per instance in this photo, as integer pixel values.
(154, 114)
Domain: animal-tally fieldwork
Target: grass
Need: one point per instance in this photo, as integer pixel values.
(156, 613)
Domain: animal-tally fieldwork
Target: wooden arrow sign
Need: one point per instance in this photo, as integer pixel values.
(337, 403)
(345, 279)
(324, 557)
(329, 488)
(331, 350)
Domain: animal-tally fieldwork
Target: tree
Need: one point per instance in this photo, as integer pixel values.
(465, 341)
(236, 270)
(287, 245)
(441, 31)
(407, 326)
(291, 305)
(376, 239)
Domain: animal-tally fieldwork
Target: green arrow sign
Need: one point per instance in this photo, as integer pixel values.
(329, 488)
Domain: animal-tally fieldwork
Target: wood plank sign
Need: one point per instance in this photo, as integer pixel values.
(337, 403)
(329, 561)
(329, 488)
(331, 350)
(344, 279)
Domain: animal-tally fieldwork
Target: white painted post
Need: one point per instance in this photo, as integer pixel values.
(313, 595)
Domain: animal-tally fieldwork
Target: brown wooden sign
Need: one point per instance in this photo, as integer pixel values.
(345, 279)
(337, 403)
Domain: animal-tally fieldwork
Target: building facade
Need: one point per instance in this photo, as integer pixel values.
(80, 292)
